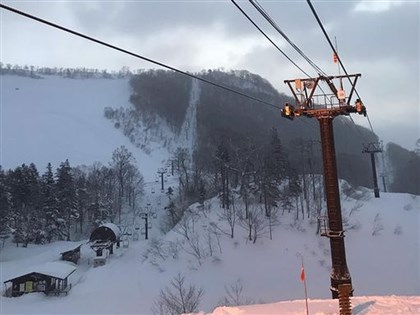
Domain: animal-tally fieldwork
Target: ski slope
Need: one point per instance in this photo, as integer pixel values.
(55, 118)
(384, 267)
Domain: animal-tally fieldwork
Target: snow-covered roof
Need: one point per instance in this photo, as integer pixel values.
(70, 248)
(55, 269)
(114, 229)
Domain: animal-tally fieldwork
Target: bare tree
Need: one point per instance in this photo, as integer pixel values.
(229, 215)
(256, 224)
(178, 298)
(234, 295)
(122, 164)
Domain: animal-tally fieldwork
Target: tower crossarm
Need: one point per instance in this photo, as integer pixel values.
(304, 90)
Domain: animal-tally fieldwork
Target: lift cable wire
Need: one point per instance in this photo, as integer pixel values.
(329, 41)
(335, 52)
(264, 13)
(134, 54)
(358, 129)
(268, 38)
(271, 41)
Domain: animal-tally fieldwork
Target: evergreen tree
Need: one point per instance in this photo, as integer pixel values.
(24, 190)
(49, 205)
(97, 212)
(269, 186)
(222, 161)
(279, 160)
(82, 199)
(66, 199)
(4, 208)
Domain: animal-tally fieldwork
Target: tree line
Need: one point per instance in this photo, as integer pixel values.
(162, 96)
(67, 203)
(254, 183)
(35, 72)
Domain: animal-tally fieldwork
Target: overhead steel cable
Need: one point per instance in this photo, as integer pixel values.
(329, 40)
(274, 44)
(271, 41)
(335, 52)
(264, 13)
(358, 129)
(32, 17)
(268, 38)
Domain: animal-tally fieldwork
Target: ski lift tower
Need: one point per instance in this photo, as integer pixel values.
(372, 148)
(325, 107)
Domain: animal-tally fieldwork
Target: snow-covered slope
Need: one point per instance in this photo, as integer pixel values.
(44, 120)
(366, 305)
(386, 263)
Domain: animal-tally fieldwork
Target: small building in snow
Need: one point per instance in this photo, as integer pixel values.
(50, 278)
(106, 232)
(72, 255)
(104, 237)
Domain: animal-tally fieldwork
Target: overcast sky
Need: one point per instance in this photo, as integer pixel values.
(379, 39)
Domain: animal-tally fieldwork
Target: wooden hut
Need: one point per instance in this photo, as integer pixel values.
(50, 278)
(72, 255)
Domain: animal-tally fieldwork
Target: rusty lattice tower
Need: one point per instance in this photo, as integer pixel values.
(325, 107)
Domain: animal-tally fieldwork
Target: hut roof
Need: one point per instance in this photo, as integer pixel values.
(55, 269)
(114, 228)
(106, 232)
(71, 249)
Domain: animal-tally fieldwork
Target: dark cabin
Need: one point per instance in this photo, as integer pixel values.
(50, 278)
(106, 232)
(72, 255)
(103, 237)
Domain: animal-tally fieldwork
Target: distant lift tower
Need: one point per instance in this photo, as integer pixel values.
(324, 107)
(372, 148)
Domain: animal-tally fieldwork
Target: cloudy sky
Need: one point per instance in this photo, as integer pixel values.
(379, 39)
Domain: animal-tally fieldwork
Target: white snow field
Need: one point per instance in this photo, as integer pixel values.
(54, 119)
(366, 305)
(384, 267)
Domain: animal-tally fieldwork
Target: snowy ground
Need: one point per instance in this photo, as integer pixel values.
(384, 265)
(366, 305)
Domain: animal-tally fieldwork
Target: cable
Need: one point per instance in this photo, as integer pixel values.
(335, 52)
(264, 13)
(370, 124)
(133, 54)
(357, 129)
(329, 41)
(266, 36)
(269, 39)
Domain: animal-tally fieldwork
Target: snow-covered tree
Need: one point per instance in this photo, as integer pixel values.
(123, 168)
(66, 198)
(4, 208)
(25, 198)
(49, 205)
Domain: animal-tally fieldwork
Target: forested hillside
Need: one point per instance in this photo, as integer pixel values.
(41, 206)
(405, 169)
(160, 101)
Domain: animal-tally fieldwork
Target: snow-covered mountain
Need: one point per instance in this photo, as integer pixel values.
(55, 118)
(44, 120)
